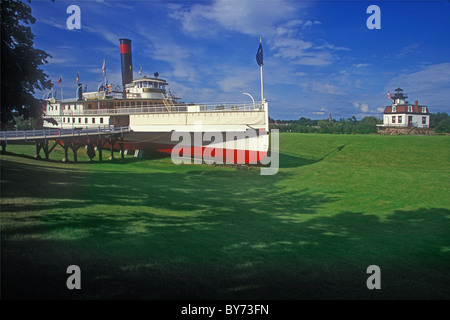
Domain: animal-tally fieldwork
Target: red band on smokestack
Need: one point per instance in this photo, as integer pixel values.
(125, 48)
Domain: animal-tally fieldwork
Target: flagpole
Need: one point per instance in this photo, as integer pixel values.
(104, 73)
(262, 82)
(62, 91)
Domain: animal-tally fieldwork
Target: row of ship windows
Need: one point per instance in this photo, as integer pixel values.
(109, 105)
(400, 119)
(86, 120)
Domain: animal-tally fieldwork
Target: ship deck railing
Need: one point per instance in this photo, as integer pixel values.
(180, 108)
(59, 133)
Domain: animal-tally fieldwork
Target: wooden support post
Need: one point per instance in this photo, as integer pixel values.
(100, 149)
(3, 143)
(111, 141)
(74, 151)
(66, 149)
(122, 152)
(38, 149)
(46, 150)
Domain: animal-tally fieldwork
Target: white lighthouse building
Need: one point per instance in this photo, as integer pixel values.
(401, 114)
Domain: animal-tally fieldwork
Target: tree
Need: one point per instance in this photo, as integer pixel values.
(440, 122)
(20, 63)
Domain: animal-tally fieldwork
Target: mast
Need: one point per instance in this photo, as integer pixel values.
(261, 67)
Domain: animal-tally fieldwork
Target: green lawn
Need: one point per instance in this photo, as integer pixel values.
(151, 229)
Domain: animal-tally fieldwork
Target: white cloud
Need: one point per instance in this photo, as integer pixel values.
(248, 17)
(361, 65)
(327, 88)
(277, 21)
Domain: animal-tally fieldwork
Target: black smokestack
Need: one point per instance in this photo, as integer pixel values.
(127, 65)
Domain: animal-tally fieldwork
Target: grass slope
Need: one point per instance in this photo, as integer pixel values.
(150, 229)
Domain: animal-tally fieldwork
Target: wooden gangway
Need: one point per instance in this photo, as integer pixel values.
(18, 135)
(68, 138)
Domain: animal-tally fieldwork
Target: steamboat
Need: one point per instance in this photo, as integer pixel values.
(235, 133)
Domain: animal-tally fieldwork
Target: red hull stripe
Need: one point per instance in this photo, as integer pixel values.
(223, 155)
(125, 48)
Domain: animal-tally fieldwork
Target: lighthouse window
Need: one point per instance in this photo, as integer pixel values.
(394, 109)
(399, 119)
(393, 119)
(424, 120)
(409, 108)
(424, 110)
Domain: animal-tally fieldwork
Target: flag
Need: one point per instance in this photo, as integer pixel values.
(259, 55)
(78, 76)
(104, 68)
(389, 95)
(60, 80)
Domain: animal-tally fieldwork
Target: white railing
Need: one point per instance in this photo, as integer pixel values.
(52, 133)
(190, 108)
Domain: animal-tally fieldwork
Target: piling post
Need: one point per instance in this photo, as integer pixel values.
(111, 139)
(38, 149)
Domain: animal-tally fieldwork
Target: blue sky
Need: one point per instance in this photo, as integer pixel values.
(319, 56)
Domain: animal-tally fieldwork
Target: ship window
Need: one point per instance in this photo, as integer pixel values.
(75, 107)
(64, 119)
(138, 104)
(68, 120)
(132, 104)
(85, 120)
(144, 103)
(90, 106)
(73, 120)
(127, 104)
(56, 107)
(93, 120)
(393, 119)
(399, 119)
(79, 120)
(101, 120)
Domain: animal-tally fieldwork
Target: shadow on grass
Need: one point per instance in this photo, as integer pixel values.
(177, 235)
(291, 161)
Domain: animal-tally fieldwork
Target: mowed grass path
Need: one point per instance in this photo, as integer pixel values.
(149, 229)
